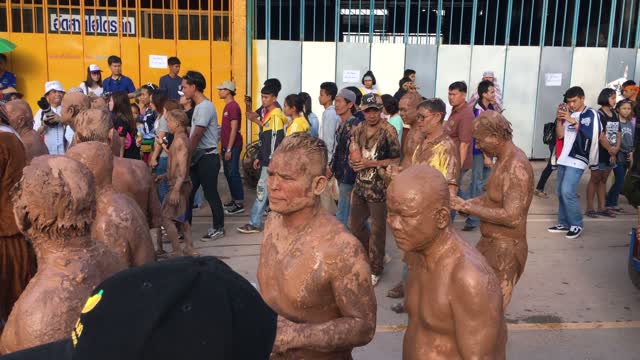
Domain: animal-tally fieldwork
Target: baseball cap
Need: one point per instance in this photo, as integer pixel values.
(347, 95)
(52, 85)
(369, 101)
(184, 308)
(229, 85)
(94, 68)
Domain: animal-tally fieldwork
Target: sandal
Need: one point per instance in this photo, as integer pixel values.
(607, 213)
(541, 194)
(592, 214)
(397, 291)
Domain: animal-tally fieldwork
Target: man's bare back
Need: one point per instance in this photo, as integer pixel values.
(33, 145)
(414, 139)
(133, 178)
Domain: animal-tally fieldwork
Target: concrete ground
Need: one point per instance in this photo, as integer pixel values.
(574, 300)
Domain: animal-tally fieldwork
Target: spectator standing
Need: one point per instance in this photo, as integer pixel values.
(630, 91)
(374, 145)
(93, 84)
(159, 160)
(623, 161)
(489, 75)
(11, 94)
(294, 108)
(580, 129)
(555, 147)
(270, 137)
(410, 74)
(402, 88)
(125, 125)
(231, 141)
(330, 120)
(147, 120)
(49, 124)
(390, 109)
(369, 84)
(609, 147)
(186, 104)
(359, 114)
(459, 127)
(205, 161)
(7, 78)
(481, 168)
(313, 119)
(172, 81)
(118, 82)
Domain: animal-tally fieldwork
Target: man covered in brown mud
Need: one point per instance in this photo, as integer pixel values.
(17, 258)
(503, 208)
(130, 177)
(119, 223)
(174, 207)
(21, 120)
(312, 271)
(408, 107)
(70, 262)
(453, 298)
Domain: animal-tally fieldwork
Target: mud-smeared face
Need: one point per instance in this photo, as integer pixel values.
(408, 111)
(290, 186)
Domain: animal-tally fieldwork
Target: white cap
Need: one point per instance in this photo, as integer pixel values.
(52, 85)
(488, 73)
(94, 67)
(229, 85)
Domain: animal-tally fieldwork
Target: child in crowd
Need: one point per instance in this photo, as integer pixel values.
(624, 156)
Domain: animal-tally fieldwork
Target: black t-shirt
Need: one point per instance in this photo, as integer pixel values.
(610, 128)
(131, 149)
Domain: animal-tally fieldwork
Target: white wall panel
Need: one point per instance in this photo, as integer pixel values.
(589, 70)
(351, 56)
(318, 66)
(387, 64)
(521, 75)
(454, 62)
(285, 63)
(261, 60)
(486, 58)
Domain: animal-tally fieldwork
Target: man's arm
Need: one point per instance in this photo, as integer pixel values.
(351, 284)
(464, 149)
(329, 127)
(131, 89)
(197, 135)
(235, 124)
(476, 305)
(180, 152)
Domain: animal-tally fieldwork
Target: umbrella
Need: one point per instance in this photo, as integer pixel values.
(6, 45)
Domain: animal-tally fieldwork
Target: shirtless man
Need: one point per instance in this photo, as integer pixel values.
(453, 298)
(21, 119)
(503, 208)
(312, 271)
(176, 202)
(99, 103)
(408, 107)
(70, 262)
(130, 177)
(119, 223)
(73, 103)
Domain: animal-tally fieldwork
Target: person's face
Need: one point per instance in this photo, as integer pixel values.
(412, 77)
(291, 188)
(188, 90)
(490, 95)
(489, 144)
(172, 125)
(95, 75)
(16, 117)
(368, 84)
(288, 110)
(575, 103)
(629, 92)
(144, 98)
(612, 100)
(428, 122)
(111, 104)
(267, 100)
(223, 93)
(152, 106)
(116, 68)
(407, 112)
(372, 115)
(54, 97)
(342, 106)
(67, 112)
(490, 78)
(174, 69)
(625, 110)
(184, 101)
(324, 98)
(456, 97)
(135, 112)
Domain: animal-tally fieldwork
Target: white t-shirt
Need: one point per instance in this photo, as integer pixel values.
(54, 136)
(97, 91)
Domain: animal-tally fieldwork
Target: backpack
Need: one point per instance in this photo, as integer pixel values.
(549, 133)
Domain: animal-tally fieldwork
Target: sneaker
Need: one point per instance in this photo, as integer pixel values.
(574, 232)
(213, 234)
(229, 204)
(558, 229)
(375, 279)
(468, 227)
(248, 229)
(234, 209)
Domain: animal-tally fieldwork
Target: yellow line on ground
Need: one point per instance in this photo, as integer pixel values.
(541, 326)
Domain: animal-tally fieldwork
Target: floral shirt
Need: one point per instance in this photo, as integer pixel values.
(340, 161)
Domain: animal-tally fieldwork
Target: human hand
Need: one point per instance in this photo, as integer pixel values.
(174, 197)
(160, 178)
(328, 173)
(256, 164)
(153, 163)
(488, 162)
(457, 203)
(284, 335)
(52, 118)
(227, 156)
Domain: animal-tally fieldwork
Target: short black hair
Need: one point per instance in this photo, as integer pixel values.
(270, 89)
(274, 84)
(390, 104)
(150, 87)
(173, 61)
(409, 72)
(357, 92)
(330, 88)
(197, 79)
(403, 81)
(369, 73)
(458, 85)
(435, 105)
(484, 86)
(575, 91)
(3, 57)
(628, 82)
(605, 94)
(114, 59)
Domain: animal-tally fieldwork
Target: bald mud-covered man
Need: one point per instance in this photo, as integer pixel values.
(453, 298)
(21, 120)
(312, 271)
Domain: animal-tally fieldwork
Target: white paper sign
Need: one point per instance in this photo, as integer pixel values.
(351, 76)
(553, 79)
(157, 61)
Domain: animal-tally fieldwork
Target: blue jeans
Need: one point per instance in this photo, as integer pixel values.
(161, 169)
(232, 173)
(569, 212)
(614, 193)
(262, 198)
(479, 176)
(344, 203)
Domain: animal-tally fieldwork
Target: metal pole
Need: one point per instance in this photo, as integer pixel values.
(624, 3)
(313, 36)
(611, 23)
(629, 24)
(324, 23)
(302, 10)
(495, 27)
(279, 19)
(564, 21)
(428, 16)
(543, 24)
(290, 22)
(371, 9)
(336, 24)
(473, 22)
(461, 21)
(407, 9)
(395, 2)
(384, 18)
(419, 15)
(576, 15)
(638, 30)
(598, 28)
(586, 40)
(520, 26)
(438, 22)
(555, 20)
(533, 4)
(451, 22)
(507, 36)
(486, 17)
(359, 19)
